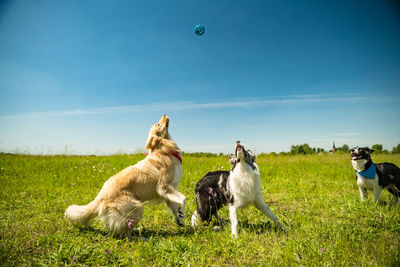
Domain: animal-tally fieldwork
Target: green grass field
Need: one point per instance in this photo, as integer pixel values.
(316, 196)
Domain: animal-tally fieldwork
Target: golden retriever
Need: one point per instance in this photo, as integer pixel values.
(119, 205)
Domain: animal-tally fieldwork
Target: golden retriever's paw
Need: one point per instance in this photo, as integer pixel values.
(180, 216)
(180, 222)
(181, 211)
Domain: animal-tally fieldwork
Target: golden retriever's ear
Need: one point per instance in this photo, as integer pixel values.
(153, 141)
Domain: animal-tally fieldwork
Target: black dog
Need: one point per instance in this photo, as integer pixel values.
(375, 177)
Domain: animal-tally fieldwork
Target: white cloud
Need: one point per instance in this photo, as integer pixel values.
(186, 105)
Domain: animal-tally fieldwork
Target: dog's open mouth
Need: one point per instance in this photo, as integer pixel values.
(238, 146)
(242, 154)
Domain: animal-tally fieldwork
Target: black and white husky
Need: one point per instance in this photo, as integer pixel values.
(238, 188)
(375, 177)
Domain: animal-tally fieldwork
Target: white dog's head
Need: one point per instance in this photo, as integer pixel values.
(158, 133)
(242, 154)
(360, 156)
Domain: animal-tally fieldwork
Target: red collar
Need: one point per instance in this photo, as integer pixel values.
(176, 155)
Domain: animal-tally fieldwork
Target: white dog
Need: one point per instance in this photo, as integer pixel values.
(119, 205)
(238, 188)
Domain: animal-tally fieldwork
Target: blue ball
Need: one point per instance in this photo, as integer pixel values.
(199, 29)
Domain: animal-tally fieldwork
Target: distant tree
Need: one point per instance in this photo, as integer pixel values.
(344, 148)
(377, 147)
(294, 149)
(200, 154)
(396, 149)
(301, 149)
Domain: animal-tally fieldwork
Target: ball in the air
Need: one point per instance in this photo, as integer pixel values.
(199, 29)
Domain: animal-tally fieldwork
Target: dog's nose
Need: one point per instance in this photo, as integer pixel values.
(238, 144)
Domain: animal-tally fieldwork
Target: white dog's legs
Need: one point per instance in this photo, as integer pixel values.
(170, 194)
(393, 190)
(363, 193)
(260, 204)
(233, 219)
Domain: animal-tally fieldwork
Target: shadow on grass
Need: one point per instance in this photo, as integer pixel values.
(92, 230)
(143, 233)
(181, 231)
(258, 228)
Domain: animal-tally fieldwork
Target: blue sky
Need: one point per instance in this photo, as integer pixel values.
(93, 76)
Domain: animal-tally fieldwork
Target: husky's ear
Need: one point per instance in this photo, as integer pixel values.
(369, 150)
(232, 160)
(153, 141)
(252, 155)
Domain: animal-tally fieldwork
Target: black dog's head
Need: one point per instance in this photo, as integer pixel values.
(241, 154)
(361, 158)
(358, 153)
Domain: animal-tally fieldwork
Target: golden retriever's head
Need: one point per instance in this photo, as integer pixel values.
(158, 133)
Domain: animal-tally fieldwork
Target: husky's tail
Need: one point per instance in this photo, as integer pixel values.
(82, 214)
(195, 219)
(196, 216)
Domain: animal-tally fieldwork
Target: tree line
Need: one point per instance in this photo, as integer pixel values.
(306, 149)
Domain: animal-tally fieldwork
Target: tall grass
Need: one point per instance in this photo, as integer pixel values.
(315, 195)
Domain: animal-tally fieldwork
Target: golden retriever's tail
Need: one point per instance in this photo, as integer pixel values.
(82, 214)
